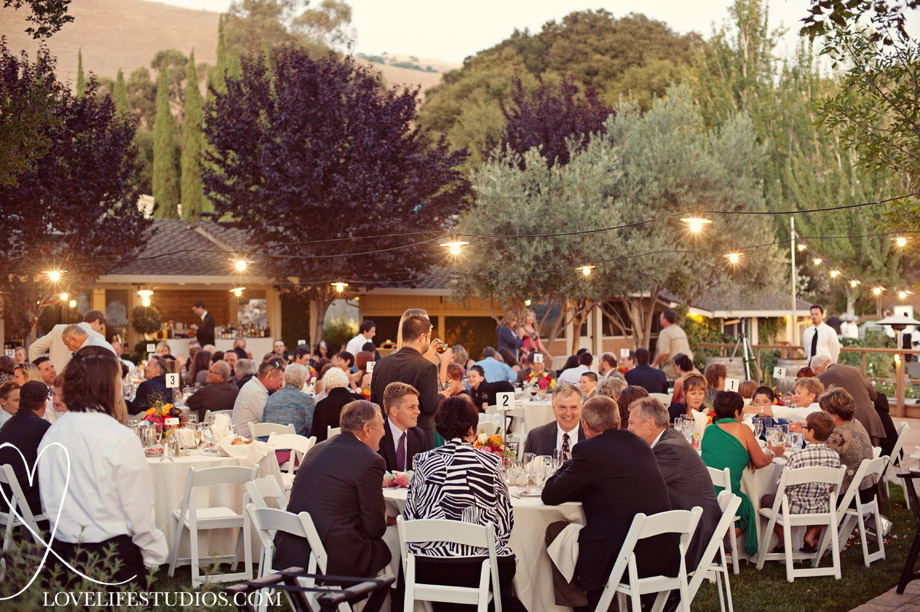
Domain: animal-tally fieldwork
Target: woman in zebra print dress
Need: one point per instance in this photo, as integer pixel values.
(460, 483)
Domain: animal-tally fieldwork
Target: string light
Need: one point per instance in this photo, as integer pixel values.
(586, 270)
(145, 296)
(801, 247)
(340, 286)
(854, 283)
(526, 302)
(877, 291)
(54, 275)
(240, 265)
(696, 224)
(734, 258)
(901, 242)
(65, 296)
(72, 303)
(453, 246)
(903, 293)
(237, 291)
(817, 261)
(835, 273)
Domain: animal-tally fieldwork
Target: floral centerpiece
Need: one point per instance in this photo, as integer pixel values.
(541, 382)
(161, 410)
(492, 444)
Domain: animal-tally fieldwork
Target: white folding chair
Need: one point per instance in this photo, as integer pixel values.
(488, 427)
(268, 521)
(298, 445)
(17, 506)
(196, 519)
(208, 413)
(457, 532)
(261, 492)
(682, 522)
(780, 514)
(713, 561)
(260, 430)
(894, 460)
(848, 518)
(332, 431)
(723, 478)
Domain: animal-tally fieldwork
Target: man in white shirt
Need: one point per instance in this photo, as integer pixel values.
(573, 375)
(250, 403)
(75, 337)
(671, 340)
(563, 433)
(58, 352)
(366, 332)
(820, 338)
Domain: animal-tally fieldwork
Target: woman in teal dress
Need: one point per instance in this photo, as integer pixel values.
(728, 443)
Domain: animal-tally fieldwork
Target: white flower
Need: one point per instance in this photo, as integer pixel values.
(483, 438)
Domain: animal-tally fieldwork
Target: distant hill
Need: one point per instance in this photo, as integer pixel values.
(127, 34)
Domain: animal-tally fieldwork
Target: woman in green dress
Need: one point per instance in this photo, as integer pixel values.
(728, 443)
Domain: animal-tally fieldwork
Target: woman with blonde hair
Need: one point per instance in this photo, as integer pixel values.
(802, 402)
(26, 372)
(530, 337)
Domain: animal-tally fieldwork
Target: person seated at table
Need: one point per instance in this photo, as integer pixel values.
(809, 498)
(100, 488)
(335, 385)
(746, 389)
(683, 471)
(339, 485)
(455, 381)
(613, 473)
(800, 403)
(24, 431)
(573, 375)
(715, 375)
(198, 373)
(607, 367)
(483, 392)
(219, 394)
(651, 379)
(694, 390)
(728, 443)
(153, 389)
(588, 384)
(611, 387)
(565, 431)
(361, 379)
(626, 399)
(57, 394)
(493, 369)
(850, 439)
(9, 400)
(456, 482)
(162, 349)
(245, 370)
(461, 357)
(510, 360)
(403, 439)
(289, 405)
(533, 367)
(250, 402)
(685, 368)
(805, 372)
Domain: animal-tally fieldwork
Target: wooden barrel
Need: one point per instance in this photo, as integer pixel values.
(784, 385)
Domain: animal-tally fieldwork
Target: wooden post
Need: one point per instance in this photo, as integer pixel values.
(899, 384)
(863, 353)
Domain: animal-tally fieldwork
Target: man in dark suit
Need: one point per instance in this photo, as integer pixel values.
(409, 366)
(219, 394)
(683, 471)
(854, 381)
(402, 438)
(327, 411)
(153, 389)
(565, 431)
(645, 376)
(339, 484)
(483, 393)
(25, 431)
(614, 475)
(206, 329)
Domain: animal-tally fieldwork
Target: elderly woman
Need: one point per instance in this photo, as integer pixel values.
(802, 401)
(627, 397)
(611, 387)
(289, 405)
(326, 414)
(101, 486)
(695, 389)
(728, 443)
(849, 438)
(507, 334)
(459, 483)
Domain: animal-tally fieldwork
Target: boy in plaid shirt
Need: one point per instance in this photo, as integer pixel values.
(811, 497)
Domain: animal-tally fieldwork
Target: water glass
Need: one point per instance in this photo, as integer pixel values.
(560, 457)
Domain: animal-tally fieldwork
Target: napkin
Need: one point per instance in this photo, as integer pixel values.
(221, 427)
(186, 438)
(700, 421)
(564, 550)
(248, 454)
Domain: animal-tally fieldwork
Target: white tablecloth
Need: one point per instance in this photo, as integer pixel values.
(533, 580)
(169, 486)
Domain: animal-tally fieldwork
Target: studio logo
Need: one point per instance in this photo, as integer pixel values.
(15, 515)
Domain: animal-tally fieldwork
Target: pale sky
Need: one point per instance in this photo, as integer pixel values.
(436, 29)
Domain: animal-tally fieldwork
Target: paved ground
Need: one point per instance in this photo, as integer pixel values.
(910, 600)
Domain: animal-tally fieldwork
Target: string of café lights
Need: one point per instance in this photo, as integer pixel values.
(695, 224)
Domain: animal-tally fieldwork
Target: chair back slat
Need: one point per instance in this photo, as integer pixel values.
(721, 478)
(222, 475)
(455, 532)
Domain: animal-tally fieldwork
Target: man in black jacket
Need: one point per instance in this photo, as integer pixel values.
(645, 376)
(219, 394)
(153, 389)
(402, 439)
(564, 432)
(409, 366)
(25, 431)
(613, 473)
(206, 329)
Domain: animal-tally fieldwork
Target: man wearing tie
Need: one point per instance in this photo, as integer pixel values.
(820, 338)
(402, 438)
(563, 433)
(206, 329)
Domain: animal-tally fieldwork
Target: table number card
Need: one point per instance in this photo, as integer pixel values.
(624, 353)
(370, 366)
(171, 421)
(300, 342)
(504, 400)
(172, 381)
(779, 372)
(731, 384)
(538, 358)
(151, 347)
(10, 352)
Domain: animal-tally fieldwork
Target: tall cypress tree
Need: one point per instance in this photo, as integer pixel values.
(165, 182)
(81, 80)
(193, 200)
(120, 95)
(216, 74)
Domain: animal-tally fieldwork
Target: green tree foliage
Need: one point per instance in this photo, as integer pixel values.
(217, 74)
(193, 200)
(660, 164)
(48, 16)
(328, 25)
(630, 56)
(120, 95)
(165, 182)
(142, 97)
(81, 79)
(175, 64)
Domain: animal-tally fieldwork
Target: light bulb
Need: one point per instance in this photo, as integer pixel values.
(240, 265)
(54, 275)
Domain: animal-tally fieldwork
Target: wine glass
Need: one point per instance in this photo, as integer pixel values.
(758, 428)
(537, 473)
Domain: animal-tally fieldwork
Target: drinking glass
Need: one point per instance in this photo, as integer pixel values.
(537, 469)
(192, 418)
(758, 427)
(552, 463)
(560, 457)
